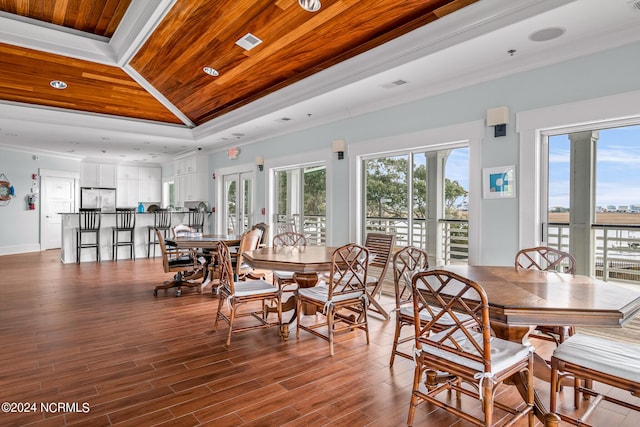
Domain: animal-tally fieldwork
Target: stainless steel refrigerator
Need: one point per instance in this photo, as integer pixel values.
(98, 197)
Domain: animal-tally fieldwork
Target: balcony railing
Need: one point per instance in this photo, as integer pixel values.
(617, 249)
(455, 235)
(313, 226)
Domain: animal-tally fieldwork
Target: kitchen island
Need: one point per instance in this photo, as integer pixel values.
(143, 221)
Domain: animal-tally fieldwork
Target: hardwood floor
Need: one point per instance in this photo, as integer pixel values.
(93, 345)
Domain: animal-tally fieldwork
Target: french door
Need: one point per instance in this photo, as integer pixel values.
(301, 201)
(238, 204)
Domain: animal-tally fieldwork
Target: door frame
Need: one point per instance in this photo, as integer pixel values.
(243, 169)
(50, 173)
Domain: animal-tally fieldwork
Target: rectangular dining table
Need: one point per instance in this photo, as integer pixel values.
(521, 299)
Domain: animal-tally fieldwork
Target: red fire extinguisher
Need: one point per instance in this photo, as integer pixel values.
(31, 201)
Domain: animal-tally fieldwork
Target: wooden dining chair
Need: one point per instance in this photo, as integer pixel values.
(238, 294)
(380, 246)
(406, 262)
(588, 359)
(342, 300)
(544, 258)
(264, 233)
(249, 241)
(466, 351)
(183, 264)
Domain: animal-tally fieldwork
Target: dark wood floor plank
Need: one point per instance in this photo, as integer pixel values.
(95, 333)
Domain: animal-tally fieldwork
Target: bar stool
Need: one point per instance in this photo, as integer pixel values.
(196, 220)
(162, 222)
(88, 223)
(126, 223)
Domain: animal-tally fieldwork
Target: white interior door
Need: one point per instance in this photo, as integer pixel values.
(57, 195)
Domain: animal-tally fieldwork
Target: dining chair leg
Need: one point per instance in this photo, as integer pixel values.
(330, 320)
(298, 315)
(417, 375)
(232, 317)
(395, 343)
(218, 313)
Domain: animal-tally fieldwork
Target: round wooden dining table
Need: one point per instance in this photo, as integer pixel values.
(305, 260)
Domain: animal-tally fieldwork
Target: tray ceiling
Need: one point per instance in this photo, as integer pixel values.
(136, 90)
(164, 81)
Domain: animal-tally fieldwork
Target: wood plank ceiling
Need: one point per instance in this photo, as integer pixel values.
(202, 33)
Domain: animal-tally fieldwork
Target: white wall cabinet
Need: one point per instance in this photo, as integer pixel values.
(138, 184)
(149, 184)
(190, 184)
(97, 175)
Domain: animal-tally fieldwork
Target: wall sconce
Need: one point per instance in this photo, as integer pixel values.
(499, 119)
(338, 147)
(260, 163)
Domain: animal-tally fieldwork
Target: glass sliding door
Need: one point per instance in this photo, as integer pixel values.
(238, 202)
(301, 201)
(420, 197)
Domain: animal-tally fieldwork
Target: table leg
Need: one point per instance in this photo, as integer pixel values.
(541, 369)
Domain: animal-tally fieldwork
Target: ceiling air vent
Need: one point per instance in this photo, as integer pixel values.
(393, 84)
(248, 41)
(635, 5)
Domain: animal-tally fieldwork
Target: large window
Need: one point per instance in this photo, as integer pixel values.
(593, 199)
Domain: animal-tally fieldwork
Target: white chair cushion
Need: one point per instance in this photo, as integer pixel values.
(320, 293)
(283, 274)
(254, 287)
(504, 353)
(618, 359)
(445, 320)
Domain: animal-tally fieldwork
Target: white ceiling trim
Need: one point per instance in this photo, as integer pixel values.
(41, 37)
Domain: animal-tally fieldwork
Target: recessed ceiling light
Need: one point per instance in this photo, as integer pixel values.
(58, 84)
(546, 34)
(310, 5)
(211, 71)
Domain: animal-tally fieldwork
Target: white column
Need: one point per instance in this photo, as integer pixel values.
(582, 204)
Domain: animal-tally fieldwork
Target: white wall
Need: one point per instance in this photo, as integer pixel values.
(20, 227)
(603, 74)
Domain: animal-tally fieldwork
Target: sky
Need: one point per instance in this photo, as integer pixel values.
(617, 168)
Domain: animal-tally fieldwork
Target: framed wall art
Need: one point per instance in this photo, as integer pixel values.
(499, 182)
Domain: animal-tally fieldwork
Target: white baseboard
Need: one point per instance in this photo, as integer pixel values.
(20, 249)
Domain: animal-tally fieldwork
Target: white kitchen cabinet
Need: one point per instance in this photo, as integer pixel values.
(191, 187)
(146, 173)
(127, 193)
(138, 184)
(190, 183)
(97, 175)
